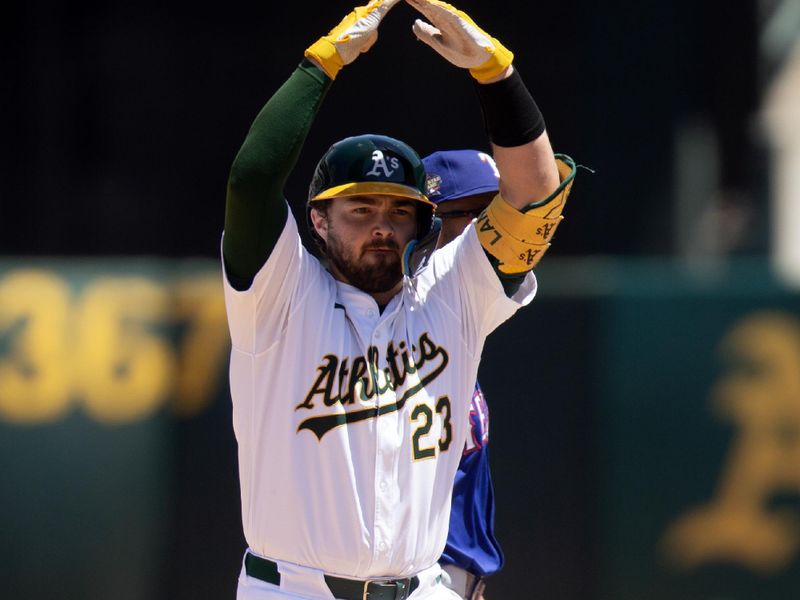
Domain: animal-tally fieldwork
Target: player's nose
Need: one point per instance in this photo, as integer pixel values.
(382, 225)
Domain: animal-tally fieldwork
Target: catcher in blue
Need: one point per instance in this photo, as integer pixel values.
(351, 382)
(462, 183)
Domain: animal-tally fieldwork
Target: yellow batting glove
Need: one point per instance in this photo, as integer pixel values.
(354, 35)
(460, 41)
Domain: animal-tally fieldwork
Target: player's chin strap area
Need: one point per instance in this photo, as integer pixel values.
(519, 239)
(341, 588)
(417, 252)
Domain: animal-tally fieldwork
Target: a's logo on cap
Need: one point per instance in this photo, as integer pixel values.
(432, 185)
(380, 163)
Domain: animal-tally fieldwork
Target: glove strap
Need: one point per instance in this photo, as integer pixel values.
(323, 52)
(500, 59)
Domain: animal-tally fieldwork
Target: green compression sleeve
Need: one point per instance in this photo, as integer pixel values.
(255, 210)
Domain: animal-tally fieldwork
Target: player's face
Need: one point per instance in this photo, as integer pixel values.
(365, 238)
(463, 211)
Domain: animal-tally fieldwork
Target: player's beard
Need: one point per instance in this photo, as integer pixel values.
(380, 274)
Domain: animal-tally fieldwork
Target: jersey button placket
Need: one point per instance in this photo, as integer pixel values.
(388, 488)
(383, 502)
(384, 464)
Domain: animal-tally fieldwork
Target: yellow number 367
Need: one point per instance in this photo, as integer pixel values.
(120, 347)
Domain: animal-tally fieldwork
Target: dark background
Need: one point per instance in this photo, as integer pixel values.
(120, 120)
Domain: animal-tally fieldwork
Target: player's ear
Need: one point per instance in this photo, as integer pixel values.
(319, 220)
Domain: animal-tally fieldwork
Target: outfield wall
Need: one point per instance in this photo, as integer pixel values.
(645, 427)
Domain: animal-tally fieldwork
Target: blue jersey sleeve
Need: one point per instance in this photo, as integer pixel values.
(471, 544)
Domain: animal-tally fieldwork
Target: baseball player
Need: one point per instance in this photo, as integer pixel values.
(351, 384)
(462, 183)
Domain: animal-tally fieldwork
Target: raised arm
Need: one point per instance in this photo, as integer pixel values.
(255, 209)
(516, 228)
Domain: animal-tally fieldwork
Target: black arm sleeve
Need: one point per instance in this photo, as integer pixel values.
(510, 115)
(255, 209)
(511, 118)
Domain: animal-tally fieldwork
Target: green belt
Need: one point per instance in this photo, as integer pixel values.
(342, 589)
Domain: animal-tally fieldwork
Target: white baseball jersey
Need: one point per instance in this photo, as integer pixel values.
(351, 422)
